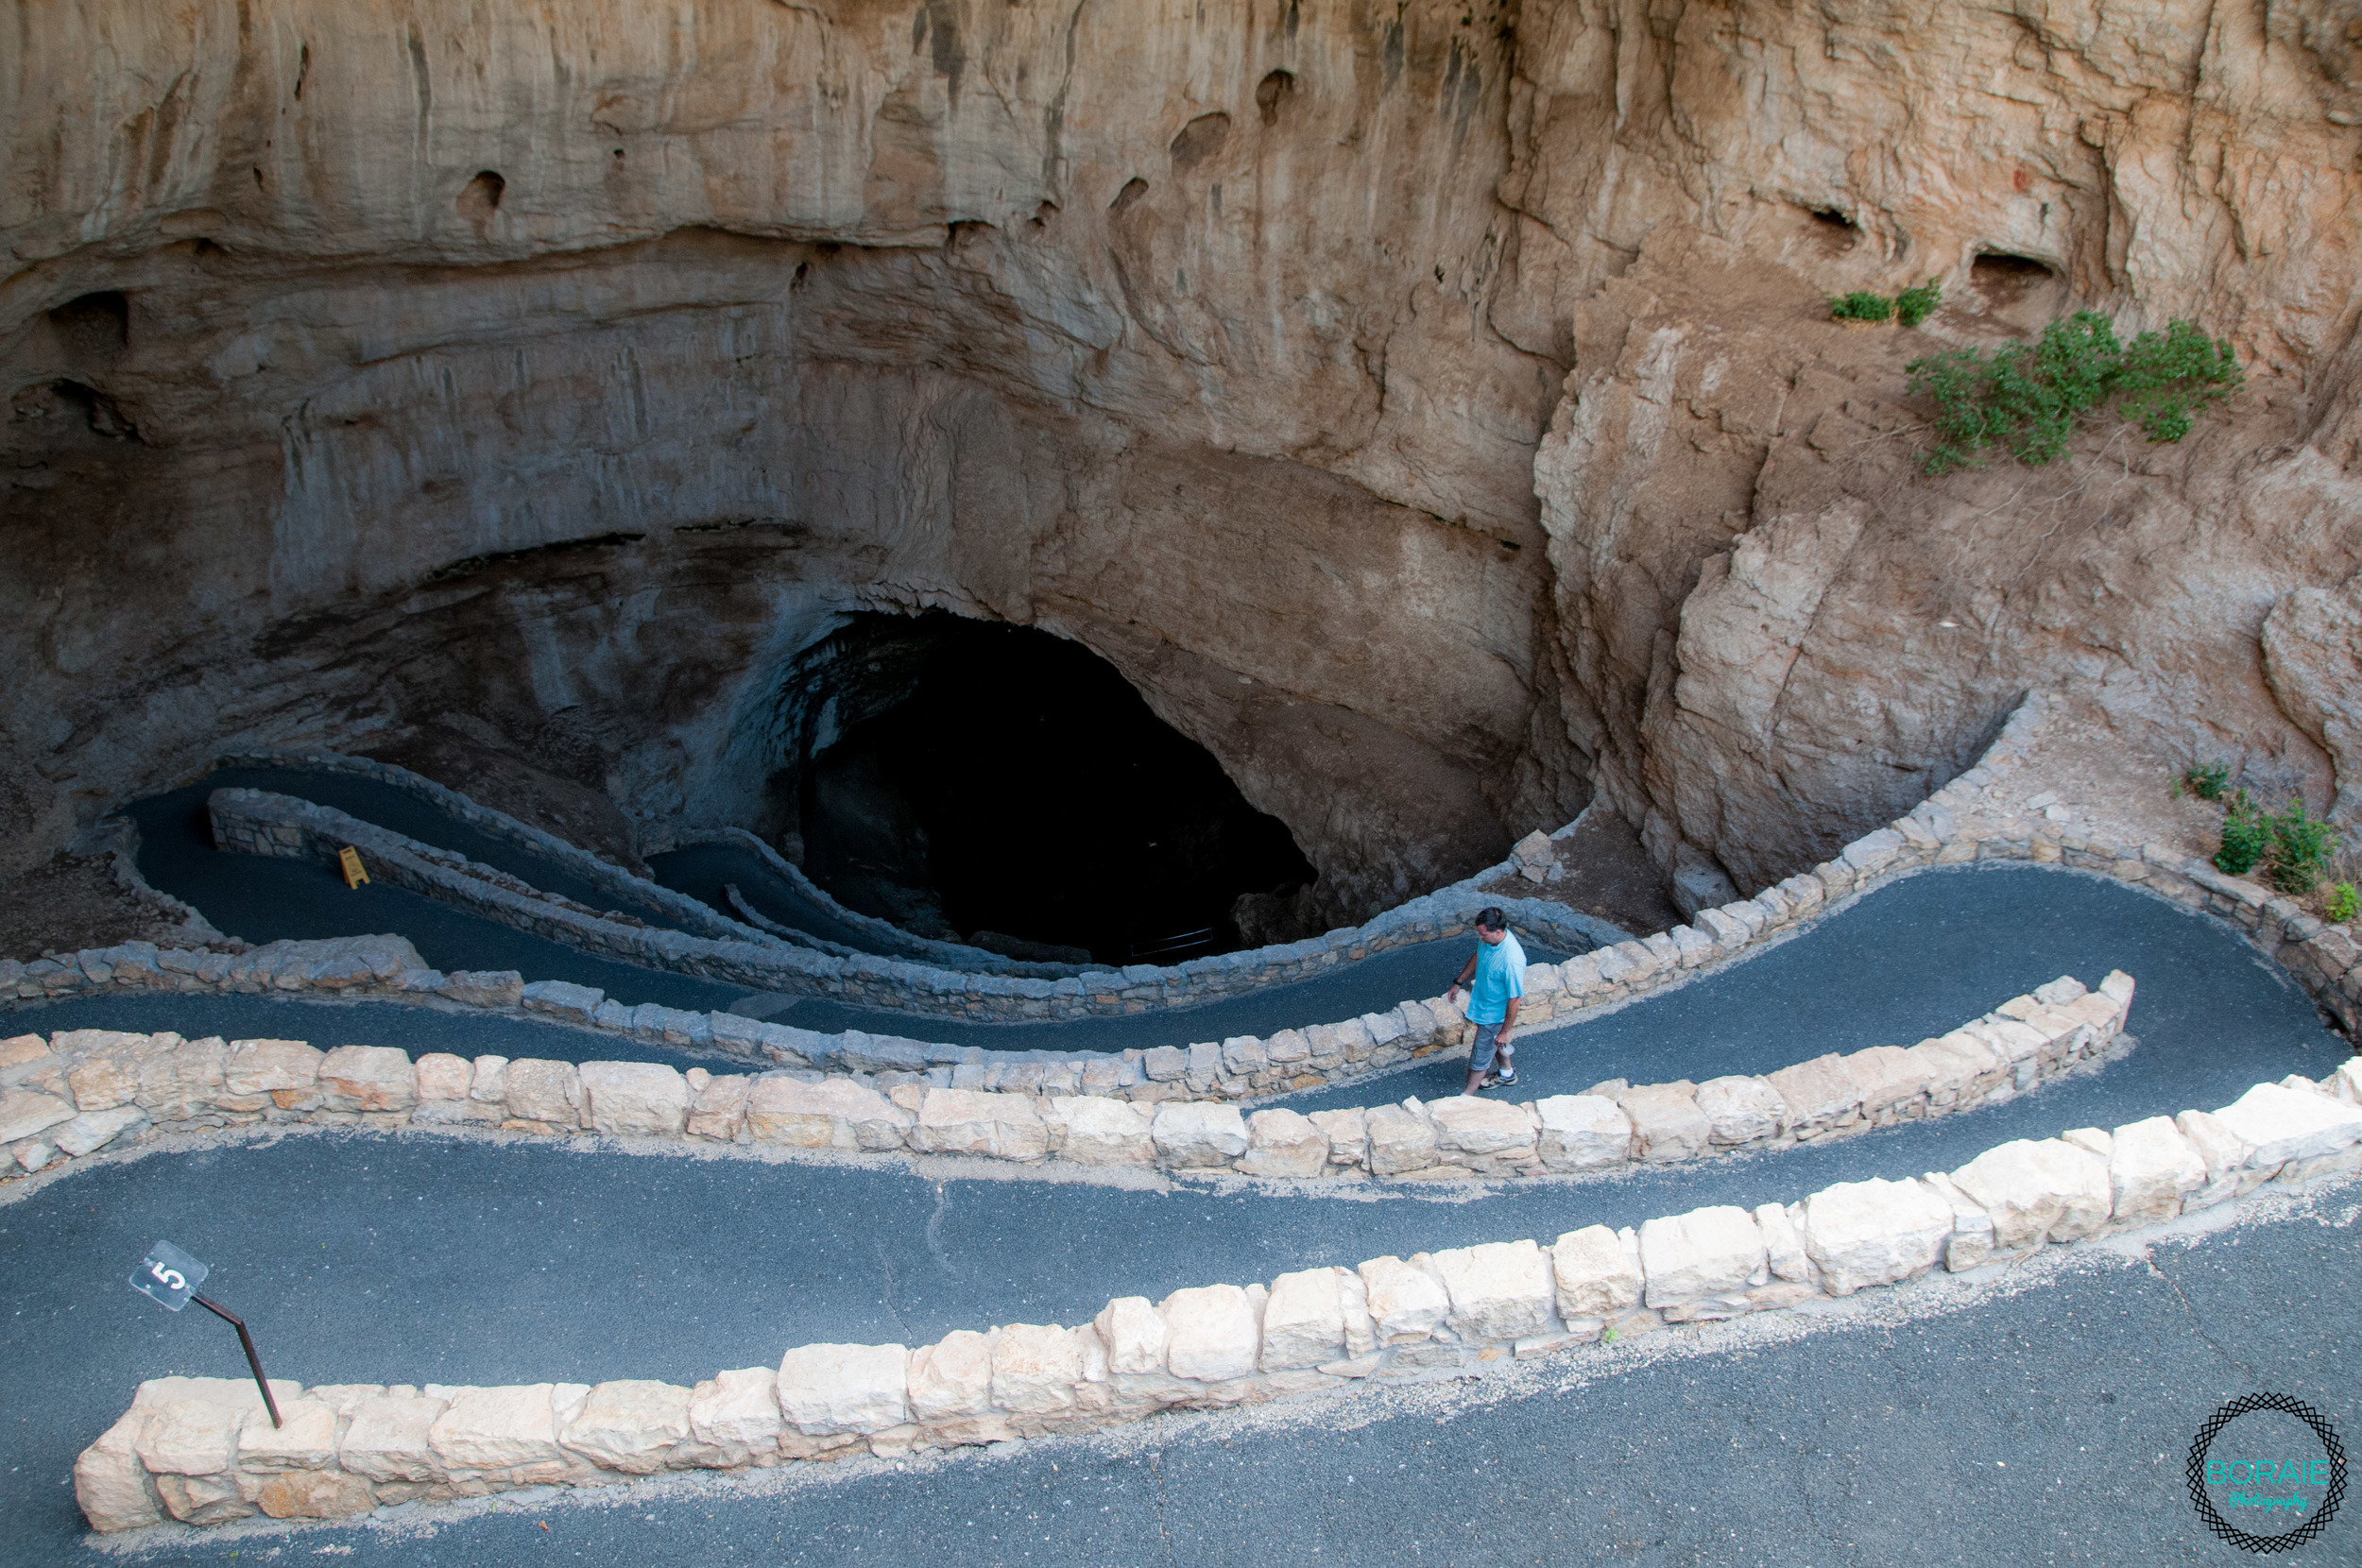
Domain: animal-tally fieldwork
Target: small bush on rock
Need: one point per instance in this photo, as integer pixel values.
(2301, 847)
(1914, 305)
(2343, 903)
(1861, 305)
(2029, 398)
(2246, 836)
(2207, 780)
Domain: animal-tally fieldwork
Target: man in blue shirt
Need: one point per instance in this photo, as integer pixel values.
(1496, 980)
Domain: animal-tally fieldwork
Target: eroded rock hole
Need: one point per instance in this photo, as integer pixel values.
(1199, 139)
(2005, 279)
(94, 326)
(1276, 88)
(997, 785)
(74, 406)
(481, 198)
(2018, 291)
(1830, 231)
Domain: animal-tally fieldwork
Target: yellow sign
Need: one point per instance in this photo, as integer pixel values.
(349, 860)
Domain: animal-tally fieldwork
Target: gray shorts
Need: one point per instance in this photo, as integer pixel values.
(1488, 1037)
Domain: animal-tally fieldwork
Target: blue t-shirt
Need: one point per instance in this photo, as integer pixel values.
(1500, 974)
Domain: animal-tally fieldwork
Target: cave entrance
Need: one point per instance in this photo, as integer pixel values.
(994, 784)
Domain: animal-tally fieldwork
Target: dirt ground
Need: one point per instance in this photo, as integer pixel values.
(2090, 779)
(72, 903)
(1602, 871)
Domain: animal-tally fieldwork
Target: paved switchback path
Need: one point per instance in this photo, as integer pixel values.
(266, 899)
(420, 1259)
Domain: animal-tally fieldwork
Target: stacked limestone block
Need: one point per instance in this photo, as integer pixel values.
(202, 1451)
(82, 1090)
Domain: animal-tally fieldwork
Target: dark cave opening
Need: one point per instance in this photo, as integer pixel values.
(1002, 786)
(2007, 280)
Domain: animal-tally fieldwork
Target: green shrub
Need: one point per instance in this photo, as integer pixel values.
(2247, 835)
(2343, 905)
(2300, 848)
(2028, 396)
(2167, 379)
(2207, 780)
(1861, 305)
(1914, 305)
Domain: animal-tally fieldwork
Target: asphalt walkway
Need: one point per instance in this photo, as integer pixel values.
(417, 1259)
(703, 871)
(266, 899)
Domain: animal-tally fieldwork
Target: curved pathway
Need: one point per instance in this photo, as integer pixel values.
(264, 899)
(2048, 1425)
(704, 871)
(176, 836)
(424, 1259)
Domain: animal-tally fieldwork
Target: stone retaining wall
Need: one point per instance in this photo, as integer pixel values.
(202, 1451)
(624, 884)
(891, 937)
(1943, 830)
(619, 884)
(1584, 931)
(259, 822)
(82, 1090)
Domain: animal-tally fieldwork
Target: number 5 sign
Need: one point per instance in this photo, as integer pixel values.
(169, 1277)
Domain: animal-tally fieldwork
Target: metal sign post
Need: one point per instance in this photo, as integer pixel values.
(169, 1277)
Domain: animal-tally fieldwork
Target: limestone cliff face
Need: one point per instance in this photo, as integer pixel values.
(1424, 405)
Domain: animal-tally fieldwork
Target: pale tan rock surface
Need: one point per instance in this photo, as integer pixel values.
(1214, 1335)
(1006, 299)
(1874, 1233)
(1499, 1289)
(506, 1429)
(1036, 1369)
(1715, 1250)
(110, 1485)
(1100, 1131)
(1191, 1133)
(1284, 1143)
(1136, 1335)
(965, 1121)
(542, 1091)
(826, 1389)
(2038, 1190)
(1304, 1322)
(951, 1378)
(737, 1412)
(632, 1426)
(1581, 1130)
(367, 1077)
(2151, 1168)
(391, 1438)
(1405, 1301)
(1596, 1271)
(831, 1113)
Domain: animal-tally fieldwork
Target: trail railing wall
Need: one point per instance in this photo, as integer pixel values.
(83, 1090)
(203, 1452)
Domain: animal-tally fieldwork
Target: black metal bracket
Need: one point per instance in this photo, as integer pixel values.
(245, 1342)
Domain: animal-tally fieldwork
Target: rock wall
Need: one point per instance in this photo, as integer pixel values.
(1437, 386)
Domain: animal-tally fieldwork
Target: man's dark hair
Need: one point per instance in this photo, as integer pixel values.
(1492, 919)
